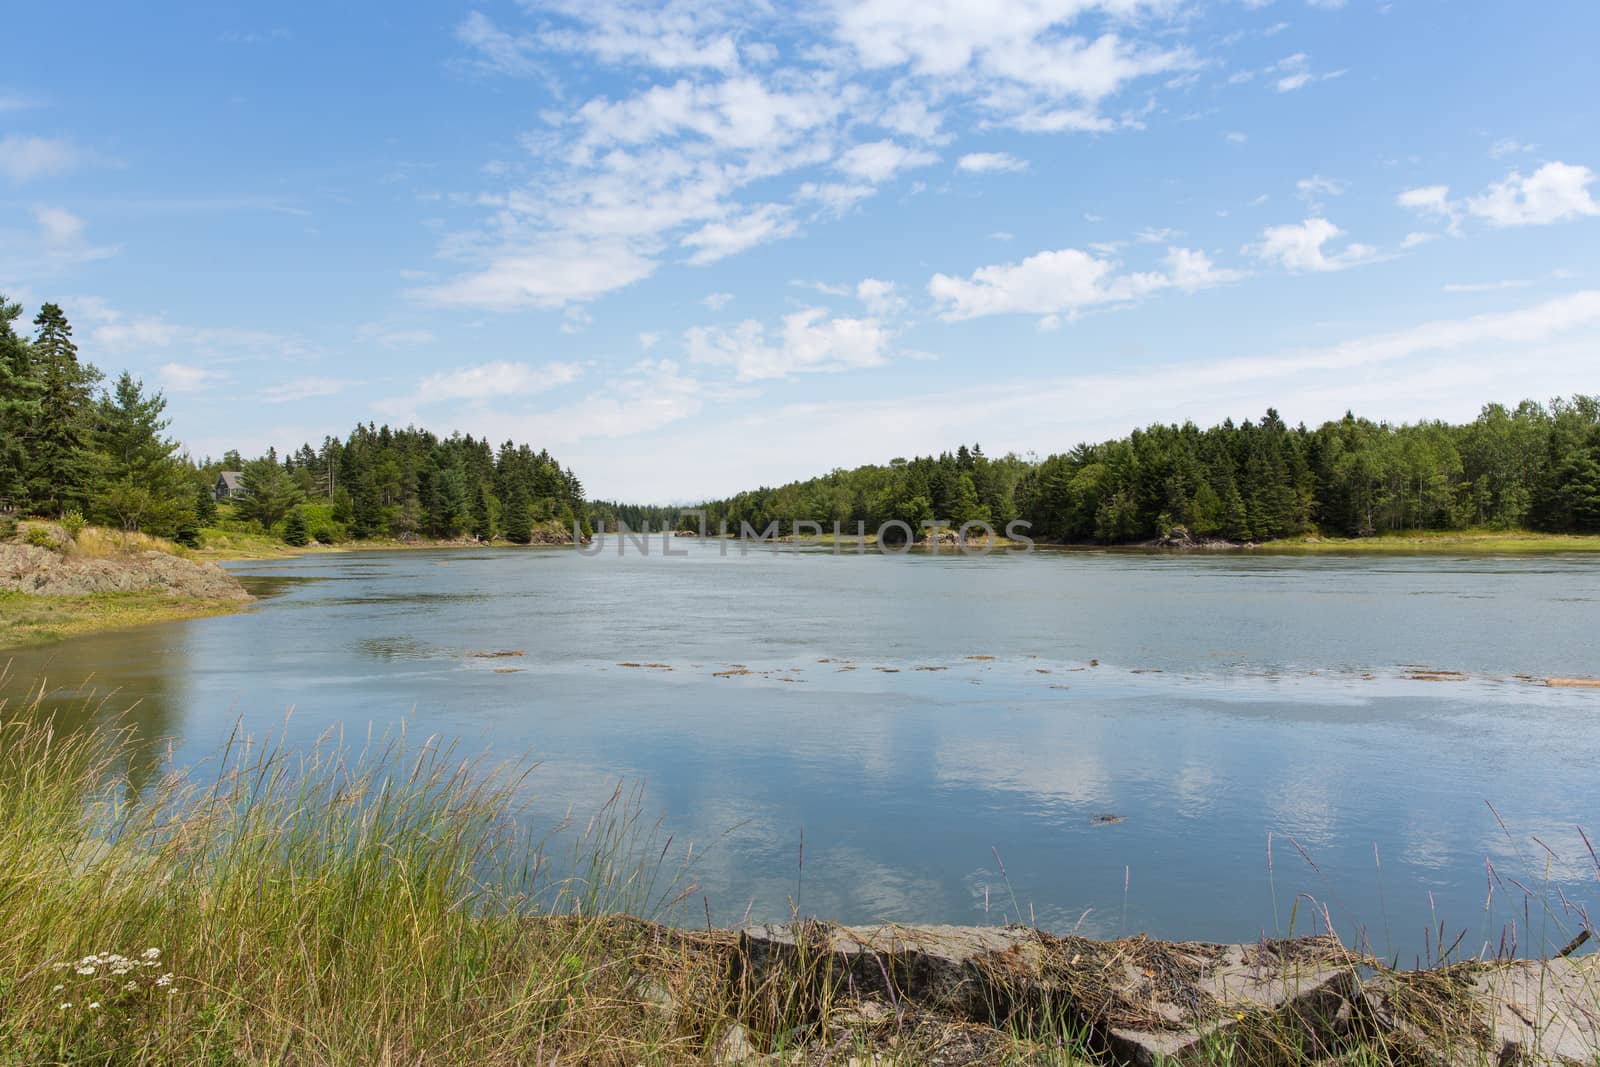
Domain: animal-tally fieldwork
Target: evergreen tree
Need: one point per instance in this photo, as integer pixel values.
(142, 485)
(294, 528)
(270, 492)
(205, 506)
(58, 467)
(518, 520)
(19, 405)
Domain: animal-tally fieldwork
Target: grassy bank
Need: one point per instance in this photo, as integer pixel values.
(1446, 541)
(32, 620)
(388, 907)
(56, 583)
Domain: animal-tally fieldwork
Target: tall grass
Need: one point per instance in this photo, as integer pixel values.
(377, 906)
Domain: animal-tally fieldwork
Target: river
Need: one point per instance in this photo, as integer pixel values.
(1192, 745)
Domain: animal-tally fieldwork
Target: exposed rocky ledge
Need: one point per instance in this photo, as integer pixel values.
(966, 995)
(27, 568)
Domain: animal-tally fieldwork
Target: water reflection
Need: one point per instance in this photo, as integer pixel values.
(917, 718)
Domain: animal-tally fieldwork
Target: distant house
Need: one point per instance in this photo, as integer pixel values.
(230, 486)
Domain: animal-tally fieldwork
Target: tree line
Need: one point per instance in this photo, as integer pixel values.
(71, 445)
(1535, 465)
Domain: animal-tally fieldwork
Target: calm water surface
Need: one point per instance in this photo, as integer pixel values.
(1254, 721)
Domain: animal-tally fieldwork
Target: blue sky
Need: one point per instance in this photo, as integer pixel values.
(697, 247)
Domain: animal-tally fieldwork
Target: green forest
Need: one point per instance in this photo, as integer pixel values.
(1535, 465)
(72, 447)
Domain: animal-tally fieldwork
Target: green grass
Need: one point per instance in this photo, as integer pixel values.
(1445, 541)
(33, 620)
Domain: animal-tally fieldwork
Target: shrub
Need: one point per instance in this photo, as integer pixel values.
(294, 529)
(73, 523)
(39, 537)
(8, 527)
(326, 533)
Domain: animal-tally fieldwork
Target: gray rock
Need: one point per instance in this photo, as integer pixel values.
(736, 1048)
(1260, 997)
(1512, 1012)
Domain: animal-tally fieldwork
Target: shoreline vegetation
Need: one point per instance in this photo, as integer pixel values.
(394, 905)
(58, 581)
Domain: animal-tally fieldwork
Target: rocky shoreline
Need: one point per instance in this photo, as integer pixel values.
(966, 995)
(39, 571)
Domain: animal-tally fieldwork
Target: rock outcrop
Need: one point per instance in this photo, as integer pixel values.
(41, 571)
(1143, 1002)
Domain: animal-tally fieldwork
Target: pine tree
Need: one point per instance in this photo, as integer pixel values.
(205, 506)
(518, 521)
(294, 529)
(58, 466)
(482, 515)
(19, 405)
(142, 484)
(271, 493)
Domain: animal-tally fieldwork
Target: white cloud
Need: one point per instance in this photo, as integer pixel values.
(184, 378)
(25, 159)
(59, 242)
(1438, 369)
(1416, 239)
(648, 340)
(1428, 200)
(718, 240)
(546, 276)
(1509, 146)
(1029, 70)
(1294, 72)
(1192, 270)
(986, 162)
(1235, 137)
(881, 298)
(1487, 287)
(493, 380)
(808, 341)
(878, 161)
(671, 35)
(393, 337)
(836, 198)
(713, 109)
(653, 394)
(1299, 247)
(1066, 281)
(716, 301)
(1314, 188)
(497, 52)
(1553, 193)
(303, 388)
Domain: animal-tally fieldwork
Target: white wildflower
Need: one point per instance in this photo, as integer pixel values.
(164, 980)
(57, 988)
(86, 970)
(151, 954)
(130, 987)
(64, 1007)
(93, 1004)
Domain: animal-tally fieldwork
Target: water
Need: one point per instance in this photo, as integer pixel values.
(1242, 707)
